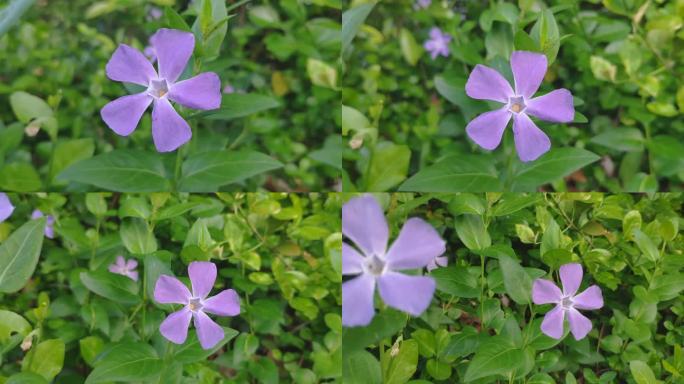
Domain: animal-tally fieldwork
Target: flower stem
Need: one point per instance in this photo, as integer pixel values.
(177, 169)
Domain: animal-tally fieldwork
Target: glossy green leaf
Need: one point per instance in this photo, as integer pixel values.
(126, 361)
(554, 165)
(237, 105)
(19, 255)
(118, 288)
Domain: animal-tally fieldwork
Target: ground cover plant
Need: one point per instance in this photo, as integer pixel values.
(252, 109)
(595, 97)
(170, 288)
(493, 276)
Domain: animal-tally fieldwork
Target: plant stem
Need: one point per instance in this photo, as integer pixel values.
(177, 169)
(482, 271)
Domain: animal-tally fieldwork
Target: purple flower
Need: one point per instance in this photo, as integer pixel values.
(567, 302)
(416, 246)
(437, 262)
(196, 305)
(50, 227)
(154, 14)
(228, 89)
(150, 54)
(6, 207)
(529, 69)
(438, 43)
(422, 4)
(126, 268)
(173, 49)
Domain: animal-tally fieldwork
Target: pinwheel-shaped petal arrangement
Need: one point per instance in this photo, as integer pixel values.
(196, 305)
(438, 43)
(172, 49)
(49, 227)
(567, 301)
(125, 267)
(417, 245)
(487, 129)
(6, 207)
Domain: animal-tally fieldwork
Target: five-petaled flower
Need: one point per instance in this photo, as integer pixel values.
(438, 43)
(6, 207)
(567, 302)
(441, 261)
(173, 49)
(126, 268)
(196, 305)
(529, 69)
(49, 227)
(416, 246)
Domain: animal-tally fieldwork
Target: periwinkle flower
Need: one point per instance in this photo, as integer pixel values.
(416, 246)
(6, 207)
(154, 14)
(485, 83)
(50, 227)
(173, 49)
(150, 54)
(228, 89)
(437, 262)
(438, 43)
(196, 305)
(124, 267)
(567, 302)
(422, 4)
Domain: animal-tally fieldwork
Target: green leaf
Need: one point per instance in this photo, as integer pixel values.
(517, 282)
(646, 245)
(137, 236)
(10, 324)
(410, 49)
(360, 367)
(494, 357)
(603, 69)
(545, 34)
(90, 347)
(455, 174)
(236, 105)
(472, 232)
(68, 152)
(12, 13)
(466, 203)
(551, 238)
(19, 177)
(455, 280)
(321, 73)
(175, 21)
(554, 165)
(122, 170)
(352, 20)
(513, 202)
(118, 288)
(331, 153)
(19, 255)
(26, 378)
(401, 367)
(28, 107)
(45, 359)
(388, 168)
(191, 351)
(384, 324)
(621, 139)
(127, 362)
(641, 372)
(210, 170)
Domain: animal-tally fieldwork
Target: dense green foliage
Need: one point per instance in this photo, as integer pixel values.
(481, 326)
(70, 319)
(277, 129)
(621, 59)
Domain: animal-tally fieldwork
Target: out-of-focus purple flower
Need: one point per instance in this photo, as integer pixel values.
(169, 290)
(50, 227)
(173, 49)
(126, 268)
(529, 69)
(6, 207)
(438, 43)
(418, 243)
(228, 89)
(437, 262)
(154, 14)
(150, 54)
(567, 302)
(422, 4)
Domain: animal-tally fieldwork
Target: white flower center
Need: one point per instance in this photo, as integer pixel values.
(158, 88)
(195, 304)
(566, 302)
(374, 265)
(516, 104)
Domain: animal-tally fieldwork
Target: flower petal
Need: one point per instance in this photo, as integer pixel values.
(169, 290)
(36, 214)
(485, 83)
(226, 303)
(49, 228)
(208, 332)
(169, 130)
(437, 262)
(579, 324)
(529, 69)
(130, 65)
(133, 275)
(131, 263)
(591, 298)
(530, 141)
(120, 261)
(114, 268)
(552, 325)
(556, 106)
(416, 246)
(545, 292)
(487, 129)
(357, 301)
(173, 48)
(202, 276)
(364, 223)
(6, 207)
(175, 327)
(123, 114)
(411, 294)
(200, 92)
(571, 277)
(352, 261)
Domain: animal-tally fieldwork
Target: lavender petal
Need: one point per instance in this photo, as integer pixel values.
(208, 332)
(416, 246)
(175, 327)
(173, 49)
(530, 141)
(579, 324)
(545, 292)
(357, 301)
(129, 65)
(485, 83)
(169, 130)
(364, 223)
(200, 92)
(487, 129)
(123, 114)
(411, 294)
(169, 290)
(556, 106)
(571, 277)
(225, 303)
(591, 298)
(202, 276)
(552, 325)
(529, 69)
